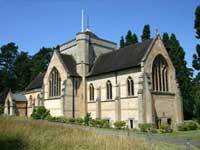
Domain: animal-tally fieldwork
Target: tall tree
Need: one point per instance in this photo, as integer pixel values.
(166, 39)
(122, 42)
(129, 38)
(183, 74)
(196, 66)
(197, 22)
(135, 38)
(40, 61)
(196, 58)
(22, 69)
(146, 34)
(8, 55)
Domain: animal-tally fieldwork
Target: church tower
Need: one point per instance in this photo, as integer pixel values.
(85, 49)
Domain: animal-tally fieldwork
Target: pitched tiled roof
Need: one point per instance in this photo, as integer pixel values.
(19, 97)
(129, 56)
(36, 83)
(70, 64)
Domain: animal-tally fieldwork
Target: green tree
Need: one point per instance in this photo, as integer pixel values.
(196, 96)
(196, 66)
(197, 22)
(166, 40)
(183, 74)
(1, 109)
(135, 38)
(40, 113)
(8, 54)
(196, 58)
(40, 61)
(146, 34)
(122, 42)
(22, 69)
(129, 38)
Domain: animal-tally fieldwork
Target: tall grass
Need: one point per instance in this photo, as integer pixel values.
(40, 135)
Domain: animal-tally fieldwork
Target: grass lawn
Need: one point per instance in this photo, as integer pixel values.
(191, 135)
(22, 134)
(195, 134)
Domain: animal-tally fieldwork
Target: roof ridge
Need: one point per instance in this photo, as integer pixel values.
(120, 49)
(121, 58)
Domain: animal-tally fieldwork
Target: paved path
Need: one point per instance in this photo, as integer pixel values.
(151, 137)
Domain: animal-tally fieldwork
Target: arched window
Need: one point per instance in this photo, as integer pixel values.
(160, 74)
(33, 103)
(130, 86)
(38, 100)
(8, 104)
(91, 92)
(54, 83)
(109, 90)
(30, 101)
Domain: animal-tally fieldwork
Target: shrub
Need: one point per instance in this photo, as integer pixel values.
(87, 119)
(100, 123)
(40, 113)
(57, 119)
(192, 125)
(1, 109)
(135, 129)
(181, 127)
(165, 128)
(119, 124)
(79, 121)
(71, 120)
(146, 127)
(187, 125)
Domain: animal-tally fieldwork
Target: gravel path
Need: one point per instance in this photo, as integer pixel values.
(151, 137)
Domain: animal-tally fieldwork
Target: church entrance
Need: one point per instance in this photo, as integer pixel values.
(164, 121)
(8, 105)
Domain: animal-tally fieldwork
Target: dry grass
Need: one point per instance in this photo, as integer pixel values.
(40, 135)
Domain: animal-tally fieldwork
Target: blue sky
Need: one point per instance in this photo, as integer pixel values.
(32, 24)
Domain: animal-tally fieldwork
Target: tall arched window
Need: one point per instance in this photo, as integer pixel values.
(54, 83)
(109, 90)
(38, 100)
(160, 74)
(30, 101)
(91, 92)
(8, 105)
(130, 86)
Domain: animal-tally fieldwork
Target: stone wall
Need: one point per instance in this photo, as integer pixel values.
(36, 98)
(21, 108)
(121, 106)
(168, 103)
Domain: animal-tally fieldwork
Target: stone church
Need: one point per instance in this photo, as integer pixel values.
(136, 84)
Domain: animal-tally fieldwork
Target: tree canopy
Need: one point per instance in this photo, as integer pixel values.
(40, 61)
(122, 42)
(196, 66)
(18, 68)
(146, 34)
(183, 74)
(130, 38)
(197, 22)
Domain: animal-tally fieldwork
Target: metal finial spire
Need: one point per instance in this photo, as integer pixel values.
(82, 21)
(157, 32)
(88, 23)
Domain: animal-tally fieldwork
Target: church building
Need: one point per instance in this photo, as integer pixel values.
(136, 84)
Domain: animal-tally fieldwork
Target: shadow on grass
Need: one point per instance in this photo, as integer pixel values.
(12, 144)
